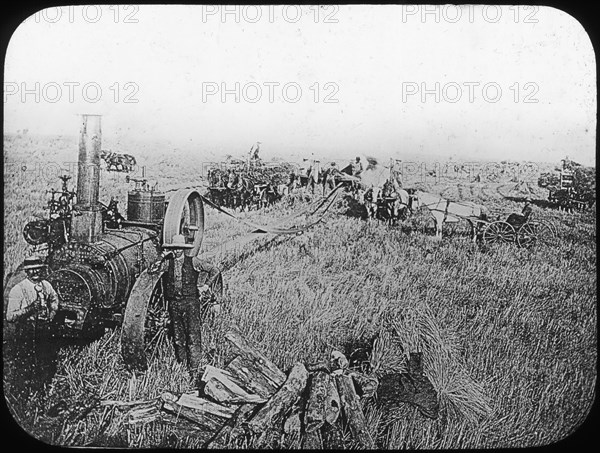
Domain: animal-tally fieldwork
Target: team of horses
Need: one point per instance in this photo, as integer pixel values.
(237, 191)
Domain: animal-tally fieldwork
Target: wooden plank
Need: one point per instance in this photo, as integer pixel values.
(273, 374)
(218, 391)
(271, 414)
(222, 387)
(252, 379)
(205, 406)
(353, 412)
(206, 414)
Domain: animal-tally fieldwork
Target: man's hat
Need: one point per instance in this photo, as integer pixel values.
(33, 262)
(178, 242)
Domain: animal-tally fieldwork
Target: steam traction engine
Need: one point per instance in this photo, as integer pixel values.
(105, 268)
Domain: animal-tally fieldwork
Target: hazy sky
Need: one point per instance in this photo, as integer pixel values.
(500, 82)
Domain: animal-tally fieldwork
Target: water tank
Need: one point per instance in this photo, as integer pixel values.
(145, 206)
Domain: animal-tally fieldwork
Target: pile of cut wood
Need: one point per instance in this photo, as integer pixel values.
(252, 402)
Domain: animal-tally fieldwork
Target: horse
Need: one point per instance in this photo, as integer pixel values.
(246, 191)
(443, 210)
(394, 204)
(282, 190)
(118, 162)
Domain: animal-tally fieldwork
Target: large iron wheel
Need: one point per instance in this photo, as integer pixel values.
(185, 216)
(145, 322)
(498, 232)
(157, 326)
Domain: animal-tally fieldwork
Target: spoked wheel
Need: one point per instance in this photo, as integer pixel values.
(499, 232)
(157, 326)
(539, 232)
(185, 216)
(145, 322)
(527, 234)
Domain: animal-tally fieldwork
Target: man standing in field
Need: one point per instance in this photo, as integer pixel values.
(357, 169)
(191, 287)
(29, 346)
(329, 178)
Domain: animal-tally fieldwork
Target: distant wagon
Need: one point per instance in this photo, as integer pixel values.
(517, 228)
(572, 187)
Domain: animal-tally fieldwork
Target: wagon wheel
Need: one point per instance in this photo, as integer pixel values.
(498, 232)
(185, 216)
(536, 232)
(145, 322)
(527, 234)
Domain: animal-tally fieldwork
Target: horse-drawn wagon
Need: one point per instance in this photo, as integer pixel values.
(521, 229)
(571, 187)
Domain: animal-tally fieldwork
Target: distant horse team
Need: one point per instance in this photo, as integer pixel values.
(238, 191)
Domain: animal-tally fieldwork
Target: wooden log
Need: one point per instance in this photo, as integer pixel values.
(203, 405)
(275, 376)
(238, 429)
(203, 412)
(353, 411)
(272, 413)
(233, 428)
(312, 440)
(314, 416)
(333, 406)
(251, 377)
(218, 391)
(221, 374)
(223, 387)
(366, 386)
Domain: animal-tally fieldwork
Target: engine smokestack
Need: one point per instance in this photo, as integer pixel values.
(86, 224)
